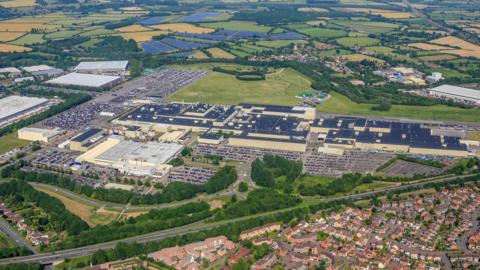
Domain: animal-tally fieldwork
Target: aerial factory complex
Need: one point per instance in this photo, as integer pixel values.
(239, 135)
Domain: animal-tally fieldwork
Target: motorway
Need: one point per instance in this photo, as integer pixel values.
(51, 257)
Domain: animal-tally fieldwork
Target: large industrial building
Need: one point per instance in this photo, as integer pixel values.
(285, 128)
(38, 134)
(262, 126)
(87, 140)
(374, 135)
(456, 93)
(134, 158)
(86, 80)
(13, 108)
(103, 67)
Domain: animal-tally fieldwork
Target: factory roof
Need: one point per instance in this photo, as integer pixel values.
(457, 91)
(86, 80)
(149, 152)
(85, 135)
(211, 136)
(45, 132)
(37, 68)
(15, 104)
(48, 72)
(9, 70)
(102, 65)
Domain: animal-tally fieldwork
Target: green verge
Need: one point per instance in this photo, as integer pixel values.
(9, 142)
(340, 104)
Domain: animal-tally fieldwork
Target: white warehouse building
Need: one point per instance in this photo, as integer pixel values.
(456, 93)
(103, 67)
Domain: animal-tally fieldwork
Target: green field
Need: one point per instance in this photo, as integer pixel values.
(277, 43)
(333, 52)
(237, 26)
(342, 105)
(368, 27)
(316, 32)
(357, 41)
(380, 50)
(29, 39)
(61, 34)
(9, 142)
(280, 88)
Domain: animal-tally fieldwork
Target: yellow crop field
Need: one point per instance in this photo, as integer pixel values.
(219, 53)
(200, 55)
(24, 27)
(7, 48)
(381, 12)
(456, 42)
(183, 28)
(18, 3)
(142, 36)
(467, 49)
(133, 28)
(429, 47)
(360, 57)
(7, 36)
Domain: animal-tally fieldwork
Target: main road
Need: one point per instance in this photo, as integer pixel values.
(51, 257)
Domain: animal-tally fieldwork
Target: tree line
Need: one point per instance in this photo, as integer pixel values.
(58, 216)
(154, 220)
(175, 191)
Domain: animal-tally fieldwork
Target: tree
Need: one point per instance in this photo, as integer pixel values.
(243, 186)
(241, 265)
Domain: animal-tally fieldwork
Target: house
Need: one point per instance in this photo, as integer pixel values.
(254, 232)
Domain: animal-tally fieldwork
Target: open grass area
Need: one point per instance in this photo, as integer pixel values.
(342, 105)
(219, 53)
(278, 43)
(316, 32)
(29, 39)
(61, 34)
(237, 26)
(87, 213)
(279, 88)
(9, 142)
(368, 27)
(357, 41)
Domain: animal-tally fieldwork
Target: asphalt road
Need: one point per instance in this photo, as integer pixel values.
(51, 257)
(17, 239)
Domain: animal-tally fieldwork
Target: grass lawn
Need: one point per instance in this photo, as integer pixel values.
(86, 212)
(357, 41)
(238, 26)
(9, 142)
(279, 88)
(342, 105)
